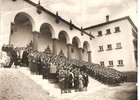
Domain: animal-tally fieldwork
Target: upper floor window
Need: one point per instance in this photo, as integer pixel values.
(108, 31)
(117, 29)
(109, 47)
(102, 63)
(110, 64)
(118, 46)
(120, 63)
(101, 48)
(99, 33)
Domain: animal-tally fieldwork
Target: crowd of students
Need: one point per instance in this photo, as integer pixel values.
(71, 74)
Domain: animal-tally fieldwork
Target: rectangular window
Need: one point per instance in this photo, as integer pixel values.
(99, 33)
(108, 31)
(102, 63)
(109, 47)
(118, 46)
(110, 64)
(117, 29)
(120, 63)
(101, 48)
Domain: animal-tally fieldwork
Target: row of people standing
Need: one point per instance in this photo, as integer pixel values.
(72, 79)
(67, 76)
(18, 55)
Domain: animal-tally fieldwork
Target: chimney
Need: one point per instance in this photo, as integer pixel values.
(107, 18)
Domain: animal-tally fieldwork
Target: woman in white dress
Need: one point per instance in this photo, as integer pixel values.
(80, 81)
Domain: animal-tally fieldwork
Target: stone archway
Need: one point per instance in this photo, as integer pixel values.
(63, 39)
(76, 44)
(45, 37)
(85, 51)
(21, 30)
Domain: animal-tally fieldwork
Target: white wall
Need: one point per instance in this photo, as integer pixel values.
(116, 54)
(85, 54)
(22, 36)
(44, 41)
(75, 54)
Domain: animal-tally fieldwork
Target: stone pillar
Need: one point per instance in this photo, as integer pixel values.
(54, 40)
(35, 40)
(69, 51)
(80, 53)
(89, 56)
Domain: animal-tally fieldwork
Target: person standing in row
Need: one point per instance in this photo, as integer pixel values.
(85, 81)
(76, 80)
(62, 80)
(25, 58)
(80, 79)
(34, 63)
(71, 79)
(13, 56)
(53, 70)
(30, 59)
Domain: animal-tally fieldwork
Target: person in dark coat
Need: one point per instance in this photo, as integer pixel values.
(4, 48)
(39, 67)
(66, 81)
(85, 81)
(71, 79)
(76, 80)
(30, 59)
(13, 56)
(25, 58)
(34, 62)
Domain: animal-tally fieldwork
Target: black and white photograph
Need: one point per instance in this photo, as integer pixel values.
(68, 49)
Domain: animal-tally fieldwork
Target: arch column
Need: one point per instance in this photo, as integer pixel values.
(35, 40)
(80, 53)
(54, 40)
(89, 56)
(69, 51)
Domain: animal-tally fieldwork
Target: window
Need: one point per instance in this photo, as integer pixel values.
(120, 63)
(101, 48)
(99, 33)
(108, 31)
(118, 46)
(102, 63)
(109, 47)
(110, 64)
(117, 29)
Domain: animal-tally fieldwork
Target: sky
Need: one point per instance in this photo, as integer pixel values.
(91, 12)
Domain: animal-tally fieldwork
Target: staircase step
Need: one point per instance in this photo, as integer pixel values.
(54, 89)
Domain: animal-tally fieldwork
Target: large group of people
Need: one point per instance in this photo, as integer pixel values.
(71, 74)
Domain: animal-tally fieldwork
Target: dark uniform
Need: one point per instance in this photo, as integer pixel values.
(25, 58)
(85, 81)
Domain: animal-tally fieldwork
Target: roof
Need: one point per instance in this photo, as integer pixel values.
(60, 18)
(112, 21)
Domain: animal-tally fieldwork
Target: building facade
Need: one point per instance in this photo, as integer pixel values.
(115, 44)
(111, 44)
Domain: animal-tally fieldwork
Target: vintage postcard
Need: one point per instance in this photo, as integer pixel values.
(68, 49)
